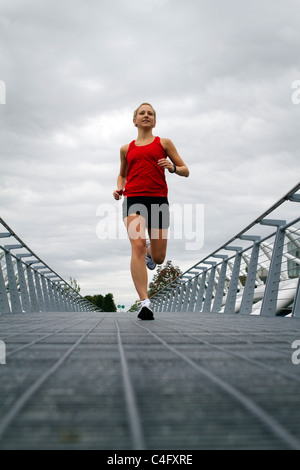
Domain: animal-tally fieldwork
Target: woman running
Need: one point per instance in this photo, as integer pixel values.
(142, 181)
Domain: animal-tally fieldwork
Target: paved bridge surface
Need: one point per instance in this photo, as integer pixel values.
(185, 381)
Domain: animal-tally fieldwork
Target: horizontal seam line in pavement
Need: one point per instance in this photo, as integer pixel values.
(21, 348)
(26, 396)
(276, 428)
(50, 323)
(228, 335)
(260, 365)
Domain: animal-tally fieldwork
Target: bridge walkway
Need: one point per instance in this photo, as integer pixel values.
(185, 381)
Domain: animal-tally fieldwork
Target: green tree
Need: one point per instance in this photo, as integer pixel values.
(135, 306)
(106, 304)
(164, 276)
(109, 304)
(74, 284)
(97, 300)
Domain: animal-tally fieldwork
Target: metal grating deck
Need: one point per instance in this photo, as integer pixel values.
(186, 381)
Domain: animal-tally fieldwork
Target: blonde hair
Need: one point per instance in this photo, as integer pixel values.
(148, 104)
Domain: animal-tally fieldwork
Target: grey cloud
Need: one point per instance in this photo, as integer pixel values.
(219, 74)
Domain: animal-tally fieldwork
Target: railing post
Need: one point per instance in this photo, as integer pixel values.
(67, 300)
(13, 288)
(166, 299)
(296, 308)
(4, 305)
(200, 295)
(32, 292)
(73, 303)
(70, 302)
(221, 284)
(78, 304)
(55, 293)
(161, 303)
(51, 295)
(170, 300)
(42, 294)
(166, 302)
(62, 297)
(179, 306)
(193, 294)
(187, 296)
(175, 300)
(269, 303)
(233, 287)
(58, 297)
(248, 296)
(210, 287)
(23, 288)
(40, 297)
(155, 304)
(46, 293)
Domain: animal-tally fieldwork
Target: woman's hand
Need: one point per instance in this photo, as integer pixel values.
(117, 194)
(166, 164)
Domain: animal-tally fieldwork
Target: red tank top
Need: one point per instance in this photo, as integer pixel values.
(144, 176)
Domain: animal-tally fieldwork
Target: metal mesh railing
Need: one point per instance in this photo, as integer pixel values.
(261, 278)
(27, 284)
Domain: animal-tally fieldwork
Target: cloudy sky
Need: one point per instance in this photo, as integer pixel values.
(219, 74)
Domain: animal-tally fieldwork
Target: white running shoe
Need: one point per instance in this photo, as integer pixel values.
(145, 312)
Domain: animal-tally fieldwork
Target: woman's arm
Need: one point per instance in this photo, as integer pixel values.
(175, 159)
(117, 194)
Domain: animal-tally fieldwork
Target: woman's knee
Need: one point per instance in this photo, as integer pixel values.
(159, 258)
(158, 249)
(139, 247)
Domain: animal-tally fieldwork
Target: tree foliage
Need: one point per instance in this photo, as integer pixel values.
(74, 284)
(109, 303)
(135, 307)
(105, 303)
(164, 276)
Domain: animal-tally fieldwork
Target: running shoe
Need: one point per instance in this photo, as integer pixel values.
(146, 312)
(149, 261)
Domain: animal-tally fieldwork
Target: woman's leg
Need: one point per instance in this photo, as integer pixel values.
(136, 228)
(159, 241)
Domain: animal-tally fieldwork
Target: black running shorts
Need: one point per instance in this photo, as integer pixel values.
(155, 210)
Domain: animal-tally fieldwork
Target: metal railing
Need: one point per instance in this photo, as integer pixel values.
(27, 284)
(261, 279)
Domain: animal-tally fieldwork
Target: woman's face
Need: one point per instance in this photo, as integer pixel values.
(145, 117)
